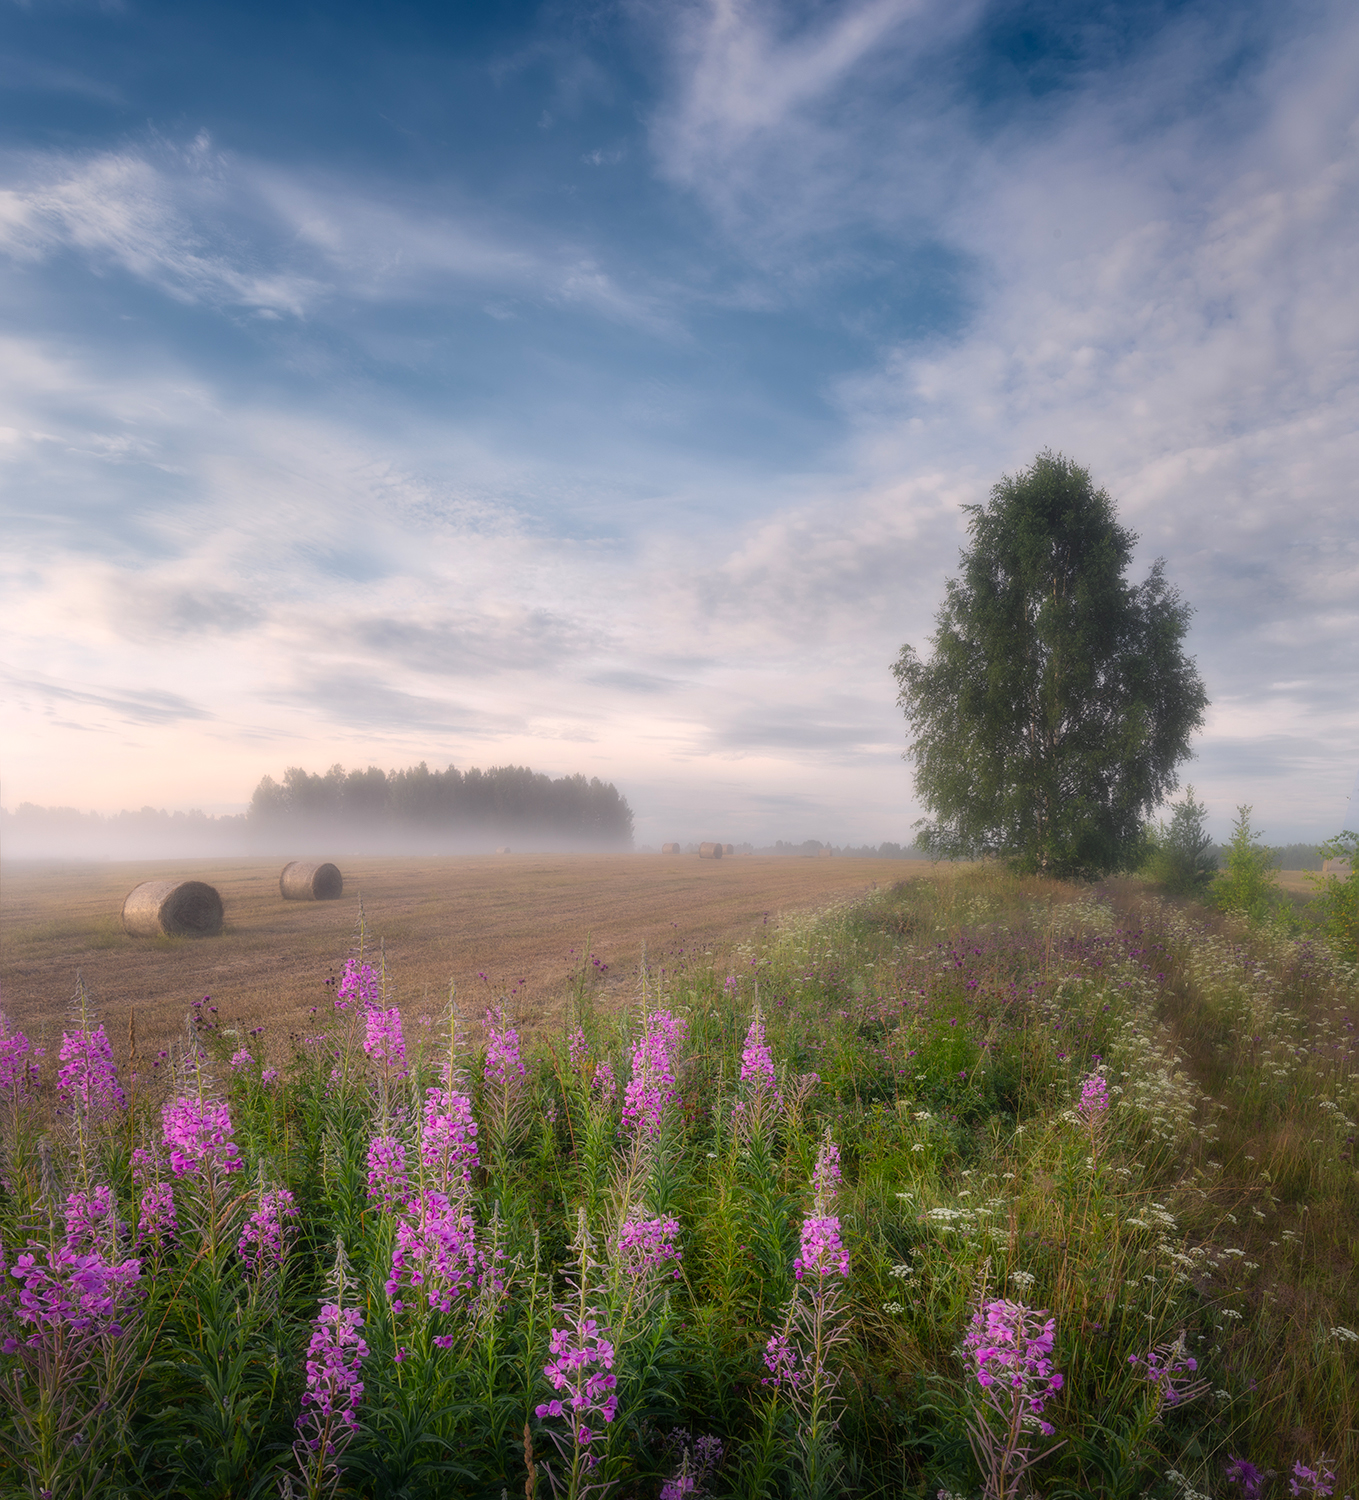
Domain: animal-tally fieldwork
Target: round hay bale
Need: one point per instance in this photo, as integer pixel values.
(670, 848)
(727, 851)
(173, 908)
(710, 851)
(303, 881)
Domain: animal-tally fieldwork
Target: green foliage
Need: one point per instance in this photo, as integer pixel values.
(1247, 885)
(1333, 912)
(1180, 855)
(1058, 701)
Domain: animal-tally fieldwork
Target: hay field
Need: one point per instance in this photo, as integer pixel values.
(522, 920)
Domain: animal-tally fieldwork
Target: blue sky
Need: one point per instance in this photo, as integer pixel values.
(598, 387)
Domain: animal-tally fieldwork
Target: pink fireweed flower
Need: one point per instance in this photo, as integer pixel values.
(387, 1177)
(582, 1370)
(645, 1245)
(1010, 1349)
(603, 1085)
(579, 1051)
(503, 1066)
(156, 1219)
(18, 1063)
(1167, 1367)
(435, 1258)
(199, 1132)
(822, 1254)
(63, 1291)
(269, 1076)
(268, 1236)
(1309, 1481)
(783, 1362)
(1094, 1097)
(359, 984)
(826, 1173)
(383, 1040)
(92, 1225)
(757, 1063)
(88, 1076)
(334, 1389)
(652, 1086)
(241, 1058)
(448, 1137)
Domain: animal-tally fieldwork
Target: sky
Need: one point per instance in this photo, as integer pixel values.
(598, 387)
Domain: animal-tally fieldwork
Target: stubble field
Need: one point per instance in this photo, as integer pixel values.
(522, 921)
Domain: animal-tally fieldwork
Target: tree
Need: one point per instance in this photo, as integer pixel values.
(1057, 702)
(1180, 854)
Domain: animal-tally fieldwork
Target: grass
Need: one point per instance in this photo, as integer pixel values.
(938, 1034)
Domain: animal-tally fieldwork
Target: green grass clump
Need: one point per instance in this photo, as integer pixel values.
(1137, 1117)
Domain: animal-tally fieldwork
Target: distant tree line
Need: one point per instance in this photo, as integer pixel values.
(428, 808)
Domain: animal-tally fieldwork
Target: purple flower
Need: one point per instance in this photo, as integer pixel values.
(1165, 1367)
(18, 1074)
(1307, 1481)
(782, 1361)
(645, 1245)
(156, 1220)
(652, 1086)
(503, 1066)
(334, 1389)
(387, 1176)
(826, 1173)
(603, 1084)
(62, 1290)
(1094, 1097)
(1251, 1479)
(199, 1131)
(267, 1236)
(821, 1254)
(757, 1063)
(436, 1254)
(92, 1225)
(88, 1076)
(448, 1137)
(383, 1040)
(1011, 1352)
(579, 1050)
(359, 984)
(582, 1369)
(268, 1076)
(241, 1058)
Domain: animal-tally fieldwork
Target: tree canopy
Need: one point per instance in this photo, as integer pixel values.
(1057, 703)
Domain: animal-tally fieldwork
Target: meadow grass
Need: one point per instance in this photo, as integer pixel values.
(738, 1236)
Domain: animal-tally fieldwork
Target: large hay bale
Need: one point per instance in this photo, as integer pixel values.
(304, 881)
(504, 849)
(670, 849)
(173, 908)
(727, 851)
(710, 851)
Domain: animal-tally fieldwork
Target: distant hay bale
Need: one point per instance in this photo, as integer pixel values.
(1340, 866)
(303, 881)
(504, 849)
(710, 851)
(827, 853)
(670, 849)
(727, 851)
(173, 908)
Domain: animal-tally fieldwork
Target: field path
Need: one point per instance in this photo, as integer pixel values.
(522, 920)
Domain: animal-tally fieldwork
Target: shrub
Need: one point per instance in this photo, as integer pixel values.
(1180, 854)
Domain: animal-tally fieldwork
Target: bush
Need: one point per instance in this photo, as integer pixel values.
(1180, 855)
(1334, 911)
(1247, 885)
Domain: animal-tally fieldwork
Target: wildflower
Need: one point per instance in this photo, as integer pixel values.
(92, 1222)
(503, 1065)
(579, 1050)
(88, 1075)
(267, 1236)
(65, 1291)
(448, 1137)
(269, 1076)
(783, 1362)
(359, 984)
(435, 1257)
(603, 1085)
(1011, 1350)
(1094, 1097)
(1318, 1481)
(698, 1460)
(383, 1040)
(18, 1075)
(386, 1169)
(156, 1219)
(334, 1389)
(199, 1131)
(648, 1244)
(1251, 1479)
(582, 1370)
(652, 1085)
(821, 1254)
(826, 1173)
(1167, 1364)
(757, 1063)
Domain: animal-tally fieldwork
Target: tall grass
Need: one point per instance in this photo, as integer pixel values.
(633, 1259)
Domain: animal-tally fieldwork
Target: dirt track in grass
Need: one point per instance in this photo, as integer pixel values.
(522, 920)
